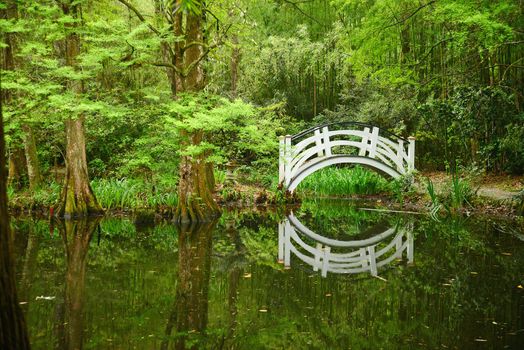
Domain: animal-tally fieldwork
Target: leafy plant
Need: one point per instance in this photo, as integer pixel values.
(345, 181)
(435, 202)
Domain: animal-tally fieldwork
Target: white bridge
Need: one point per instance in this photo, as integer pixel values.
(358, 256)
(343, 143)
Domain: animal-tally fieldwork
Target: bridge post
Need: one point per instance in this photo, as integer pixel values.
(284, 161)
(327, 145)
(400, 156)
(281, 242)
(374, 141)
(318, 252)
(372, 260)
(411, 153)
(325, 261)
(318, 143)
(281, 165)
(364, 147)
(410, 247)
(288, 231)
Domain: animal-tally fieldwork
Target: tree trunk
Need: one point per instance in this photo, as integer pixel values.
(13, 331)
(77, 198)
(33, 166)
(76, 236)
(196, 180)
(190, 311)
(196, 186)
(17, 169)
(195, 79)
(235, 62)
(16, 160)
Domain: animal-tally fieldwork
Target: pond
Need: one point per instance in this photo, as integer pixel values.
(327, 276)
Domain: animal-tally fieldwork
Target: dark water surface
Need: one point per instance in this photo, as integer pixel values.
(329, 276)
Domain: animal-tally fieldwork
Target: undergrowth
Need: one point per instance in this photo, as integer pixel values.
(345, 181)
(129, 193)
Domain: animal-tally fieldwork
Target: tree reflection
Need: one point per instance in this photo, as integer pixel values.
(76, 235)
(190, 311)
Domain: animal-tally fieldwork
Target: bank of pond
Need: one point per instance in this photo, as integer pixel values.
(326, 275)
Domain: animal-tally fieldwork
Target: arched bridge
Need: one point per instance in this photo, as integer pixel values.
(349, 257)
(343, 143)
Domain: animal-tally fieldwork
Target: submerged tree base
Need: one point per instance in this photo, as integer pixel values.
(78, 202)
(195, 210)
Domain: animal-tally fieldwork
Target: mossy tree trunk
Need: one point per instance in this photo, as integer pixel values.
(196, 179)
(33, 166)
(76, 235)
(77, 198)
(182, 60)
(190, 310)
(17, 158)
(17, 169)
(196, 186)
(13, 330)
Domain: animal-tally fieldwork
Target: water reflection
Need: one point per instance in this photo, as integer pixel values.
(76, 235)
(190, 310)
(177, 288)
(347, 257)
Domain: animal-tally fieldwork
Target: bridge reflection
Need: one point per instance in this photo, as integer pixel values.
(344, 257)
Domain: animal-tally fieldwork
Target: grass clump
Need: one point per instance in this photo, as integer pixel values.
(335, 181)
(44, 196)
(120, 194)
(454, 196)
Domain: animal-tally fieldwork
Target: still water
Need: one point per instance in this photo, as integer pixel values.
(326, 276)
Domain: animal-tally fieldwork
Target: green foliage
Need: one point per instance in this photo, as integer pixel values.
(435, 202)
(460, 192)
(474, 126)
(518, 202)
(133, 194)
(345, 181)
(445, 71)
(512, 146)
(44, 196)
(455, 195)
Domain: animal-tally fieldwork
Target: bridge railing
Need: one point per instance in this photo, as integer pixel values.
(314, 145)
(362, 256)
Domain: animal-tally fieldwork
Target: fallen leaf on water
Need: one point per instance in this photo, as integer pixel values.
(474, 273)
(247, 275)
(508, 254)
(520, 286)
(262, 310)
(22, 302)
(328, 294)
(446, 284)
(481, 340)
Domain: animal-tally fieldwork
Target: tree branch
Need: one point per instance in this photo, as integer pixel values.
(403, 20)
(295, 5)
(205, 53)
(167, 65)
(140, 17)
